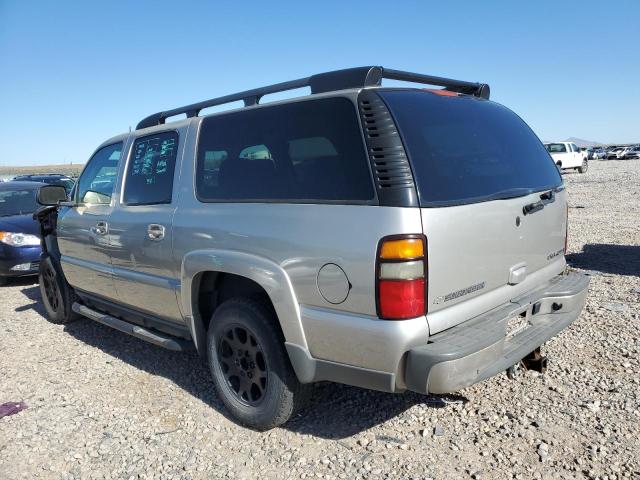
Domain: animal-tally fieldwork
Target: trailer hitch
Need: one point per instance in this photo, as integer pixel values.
(535, 361)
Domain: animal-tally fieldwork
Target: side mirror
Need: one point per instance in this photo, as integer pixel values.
(51, 195)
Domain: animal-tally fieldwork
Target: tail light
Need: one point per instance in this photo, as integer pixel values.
(401, 277)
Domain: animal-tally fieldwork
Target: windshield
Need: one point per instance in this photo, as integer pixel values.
(464, 149)
(556, 147)
(17, 202)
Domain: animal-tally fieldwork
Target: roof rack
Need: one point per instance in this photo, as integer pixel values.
(323, 82)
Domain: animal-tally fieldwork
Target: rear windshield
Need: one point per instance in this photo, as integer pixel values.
(556, 147)
(464, 149)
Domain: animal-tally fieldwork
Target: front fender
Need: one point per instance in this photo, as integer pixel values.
(270, 276)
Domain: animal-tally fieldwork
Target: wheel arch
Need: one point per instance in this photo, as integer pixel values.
(203, 269)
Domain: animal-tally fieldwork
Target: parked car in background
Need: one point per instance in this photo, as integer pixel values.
(567, 155)
(625, 153)
(19, 232)
(50, 179)
(632, 152)
(612, 153)
(598, 153)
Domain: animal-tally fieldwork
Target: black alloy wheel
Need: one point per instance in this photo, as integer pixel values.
(243, 364)
(49, 287)
(57, 295)
(251, 370)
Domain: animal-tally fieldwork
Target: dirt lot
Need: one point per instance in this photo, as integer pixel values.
(104, 405)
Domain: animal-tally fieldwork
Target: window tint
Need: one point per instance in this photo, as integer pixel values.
(305, 151)
(150, 172)
(463, 149)
(99, 177)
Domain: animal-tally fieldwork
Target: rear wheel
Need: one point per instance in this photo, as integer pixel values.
(583, 168)
(3, 281)
(57, 295)
(251, 370)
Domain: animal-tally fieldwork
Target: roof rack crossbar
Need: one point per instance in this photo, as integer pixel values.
(319, 83)
(461, 86)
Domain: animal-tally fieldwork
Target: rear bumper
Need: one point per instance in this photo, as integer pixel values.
(480, 348)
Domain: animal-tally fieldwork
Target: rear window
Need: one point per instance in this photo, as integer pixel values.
(464, 149)
(556, 147)
(309, 151)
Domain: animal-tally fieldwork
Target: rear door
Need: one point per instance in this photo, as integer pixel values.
(478, 167)
(83, 230)
(141, 226)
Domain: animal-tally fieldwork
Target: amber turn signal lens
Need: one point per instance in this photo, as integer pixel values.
(402, 249)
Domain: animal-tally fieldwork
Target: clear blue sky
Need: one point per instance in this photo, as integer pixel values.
(75, 73)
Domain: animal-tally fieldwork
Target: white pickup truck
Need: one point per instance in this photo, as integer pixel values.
(568, 155)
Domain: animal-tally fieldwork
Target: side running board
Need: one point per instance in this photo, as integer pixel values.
(157, 338)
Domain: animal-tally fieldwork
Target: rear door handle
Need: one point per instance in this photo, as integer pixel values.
(155, 232)
(101, 228)
(545, 198)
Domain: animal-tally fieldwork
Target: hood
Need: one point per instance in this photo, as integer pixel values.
(20, 224)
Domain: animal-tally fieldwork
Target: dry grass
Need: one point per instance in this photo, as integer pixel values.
(66, 169)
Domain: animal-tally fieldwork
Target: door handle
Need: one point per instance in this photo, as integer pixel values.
(101, 228)
(155, 232)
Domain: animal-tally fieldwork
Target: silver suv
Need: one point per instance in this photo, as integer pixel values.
(389, 238)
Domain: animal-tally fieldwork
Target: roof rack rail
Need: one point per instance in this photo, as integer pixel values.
(320, 83)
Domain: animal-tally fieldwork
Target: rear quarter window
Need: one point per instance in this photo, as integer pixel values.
(464, 149)
(309, 151)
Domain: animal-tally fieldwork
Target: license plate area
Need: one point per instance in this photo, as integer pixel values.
(518, 323)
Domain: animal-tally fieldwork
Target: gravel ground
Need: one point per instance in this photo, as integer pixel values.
(104, 405)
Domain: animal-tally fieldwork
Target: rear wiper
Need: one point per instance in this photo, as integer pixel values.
(545, 198)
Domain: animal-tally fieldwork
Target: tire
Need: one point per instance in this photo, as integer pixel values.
(3, 281)
(251, 370)
(57, 295)
(584, 167)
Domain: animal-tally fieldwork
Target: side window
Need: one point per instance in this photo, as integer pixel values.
(149, 178)
(575, 148)
(95, 185)
(309, 151)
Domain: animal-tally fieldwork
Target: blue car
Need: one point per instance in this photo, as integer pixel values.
(19, 232)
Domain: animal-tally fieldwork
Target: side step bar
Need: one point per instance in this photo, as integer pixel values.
(157, 338)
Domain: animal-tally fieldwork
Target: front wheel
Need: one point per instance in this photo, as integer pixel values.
(57, 295)
(251, 370)
(583, 168)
